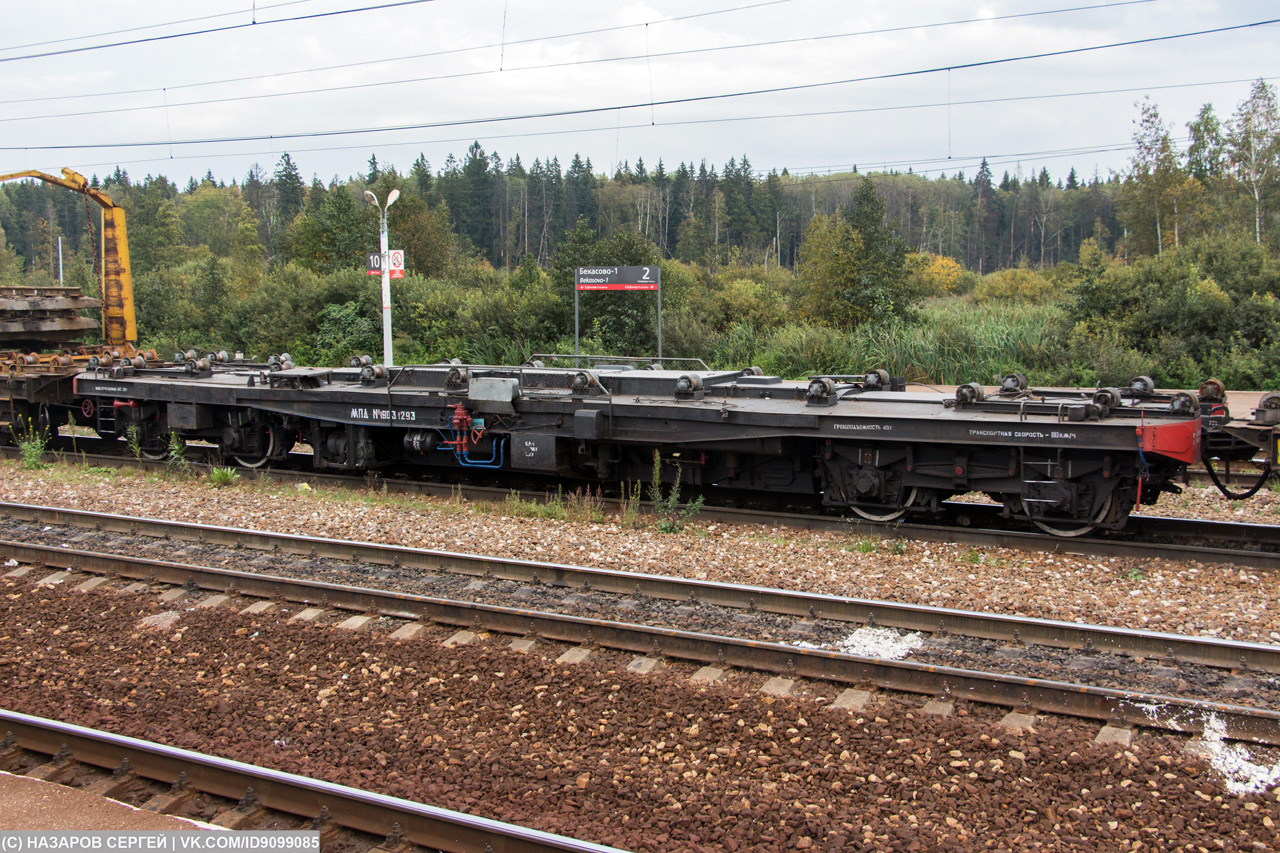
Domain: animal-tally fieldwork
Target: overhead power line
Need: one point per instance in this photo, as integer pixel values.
(644, 104)
(225, 29)
(253, 10)
(509, 70)
(458, 50)
(952, 163)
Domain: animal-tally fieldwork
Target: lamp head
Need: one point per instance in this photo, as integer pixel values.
(391, 199)
(372, 198)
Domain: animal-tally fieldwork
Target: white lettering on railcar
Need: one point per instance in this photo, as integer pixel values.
(1022, 433)
(862, 427)
(383, 415)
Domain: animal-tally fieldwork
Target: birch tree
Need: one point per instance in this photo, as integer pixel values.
(1254, 143)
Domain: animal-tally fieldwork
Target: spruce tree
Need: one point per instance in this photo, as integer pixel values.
(291, 192)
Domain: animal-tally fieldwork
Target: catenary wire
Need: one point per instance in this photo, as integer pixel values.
(953, 162)
(226, 29)
(465, 74)
(385, 60)
(643, 104)
(255, 9)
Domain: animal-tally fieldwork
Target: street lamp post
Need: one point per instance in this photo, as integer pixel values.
(386, 272)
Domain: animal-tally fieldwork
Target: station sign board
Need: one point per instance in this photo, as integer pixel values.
(617, 278)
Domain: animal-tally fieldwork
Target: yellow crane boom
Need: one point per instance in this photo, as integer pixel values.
(119, 324)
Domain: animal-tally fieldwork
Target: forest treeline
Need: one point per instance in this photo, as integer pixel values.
(1168, 268)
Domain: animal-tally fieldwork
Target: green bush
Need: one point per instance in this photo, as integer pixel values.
(1018, 284)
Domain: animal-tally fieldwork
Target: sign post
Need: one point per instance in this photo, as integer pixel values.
(384, 265)
(616, 278)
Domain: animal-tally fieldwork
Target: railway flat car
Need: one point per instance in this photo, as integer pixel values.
(1068, 461)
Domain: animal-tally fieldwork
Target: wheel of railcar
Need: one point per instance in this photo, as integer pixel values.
(884, 513)
(154, 448)
(268, 442)
(1071, 528)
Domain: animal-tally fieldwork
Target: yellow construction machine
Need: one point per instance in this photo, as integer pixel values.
(39, 325)
(49, 314)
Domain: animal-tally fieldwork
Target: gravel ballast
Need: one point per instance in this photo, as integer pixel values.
(643, 762)
(1159, 595)
(646, 763)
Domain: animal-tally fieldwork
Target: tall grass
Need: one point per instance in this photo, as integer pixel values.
(957, 341)
(952, 341)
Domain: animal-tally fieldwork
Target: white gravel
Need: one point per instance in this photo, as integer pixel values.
(881, 643)
(1163, 595)
(1236, 763)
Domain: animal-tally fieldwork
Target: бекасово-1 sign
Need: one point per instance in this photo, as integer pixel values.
(617, 278)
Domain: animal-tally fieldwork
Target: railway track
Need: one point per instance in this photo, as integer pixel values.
(327, 806)
(1245, 668)
(1153, 537)
(1208, 651)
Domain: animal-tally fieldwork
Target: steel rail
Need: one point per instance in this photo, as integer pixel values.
(352, 808)
(1091, 546)
(1144, 537)
(1153, 711)
(1209, 651)
(1156, 527)
(1141, 531)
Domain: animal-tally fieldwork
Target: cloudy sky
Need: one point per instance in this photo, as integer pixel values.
(182, 88)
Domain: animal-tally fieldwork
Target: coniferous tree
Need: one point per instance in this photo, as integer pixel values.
(291, 192)
(475, 218)
(420, 176)
(337, 235)
(579, 193)
(984, 218)
(155, 228)
(315, 194)
(855, 265)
